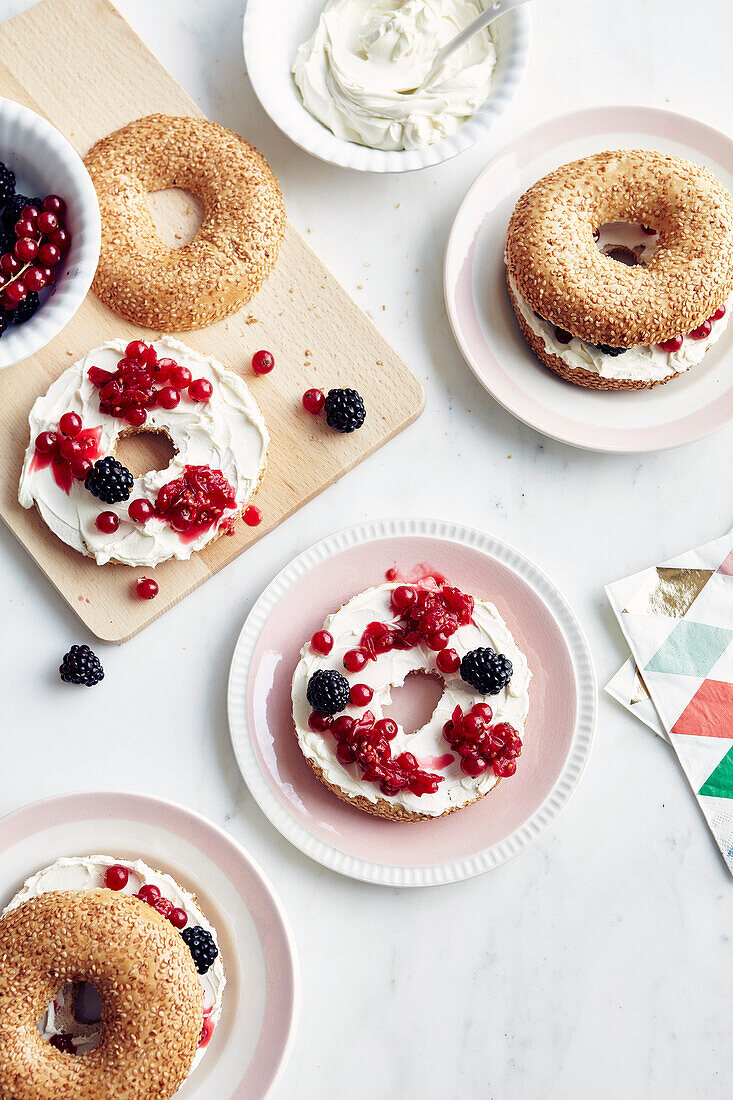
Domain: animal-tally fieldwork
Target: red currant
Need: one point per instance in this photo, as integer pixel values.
(80, 467)
(161, 370)
(252, 516)
(671, 346)
(313, 401)
(180, 377)
(24, 229)
(55, 204)
(318, 722)
(135, 350)
(26, 249)
(322, 642)
(70, 423)
(149, 893)
(472, 766)
(387, 728)
(107, 522)
(30, 213)
(15, 293)
(200, 389)
(403, 597)
(168, 397)
(48, 254)
(355, 660)
(342, 727)
(482, 711)
(49, 275)
(46, 443)
(719, 313)
(178, 918)
(9, 263)
(360, 694)
(34, 279)
(263, 362)
(700, 333)
(140, 511)
(61, 239)
(136, 416)
(69, 449)
(448, 661)
(116, 877)
(47, 222)
(146, 588)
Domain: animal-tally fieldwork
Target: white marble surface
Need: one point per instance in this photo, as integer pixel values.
(598, 964)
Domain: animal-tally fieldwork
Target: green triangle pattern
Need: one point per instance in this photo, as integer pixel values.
(720, 783)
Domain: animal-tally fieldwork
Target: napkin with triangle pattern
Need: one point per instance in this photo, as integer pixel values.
(678, 621)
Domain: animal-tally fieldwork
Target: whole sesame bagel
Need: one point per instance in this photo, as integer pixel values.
(553, 260)
(235, 248)
(146, 979)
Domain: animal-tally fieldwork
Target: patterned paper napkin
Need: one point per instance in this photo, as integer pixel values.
(678, 621)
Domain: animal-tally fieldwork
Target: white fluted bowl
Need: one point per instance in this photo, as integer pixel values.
(273, 31)
(45, 163)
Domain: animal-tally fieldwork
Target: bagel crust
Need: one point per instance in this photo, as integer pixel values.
(577, 375)
(235, 249)
(552, 257)
(382, 807)
(145, 976)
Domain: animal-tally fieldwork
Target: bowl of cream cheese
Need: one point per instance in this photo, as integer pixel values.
(339, 77)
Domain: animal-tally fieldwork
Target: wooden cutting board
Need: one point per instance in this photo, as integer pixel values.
(316, 332)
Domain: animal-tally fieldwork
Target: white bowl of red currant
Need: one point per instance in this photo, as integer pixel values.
(49, 232)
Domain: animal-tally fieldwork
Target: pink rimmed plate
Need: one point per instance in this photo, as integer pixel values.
(558, 734)
(252, 1040)
(688, 408)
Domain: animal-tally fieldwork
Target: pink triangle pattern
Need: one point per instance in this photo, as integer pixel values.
(709, 713)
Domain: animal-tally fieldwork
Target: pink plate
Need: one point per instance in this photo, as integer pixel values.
(558, 734)
(690, 407)
(252, 1040)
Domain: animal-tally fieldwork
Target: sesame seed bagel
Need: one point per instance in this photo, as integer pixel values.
(146, 979)
(552, 257)
(235, 248)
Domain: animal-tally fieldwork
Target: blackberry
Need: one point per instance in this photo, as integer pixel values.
(25, 309)
(7, 184)
(109, 480)
(344, 410)
(202, 947)
(7, 239)
(11, 213)
(328, 691)
(608, 350)
(486, 671)
(5, 319)
(81, 666)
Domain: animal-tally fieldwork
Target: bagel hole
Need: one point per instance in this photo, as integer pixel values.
(76, 1014)
(177, 215)
(627, 243)
(414, 703)
(144, 451)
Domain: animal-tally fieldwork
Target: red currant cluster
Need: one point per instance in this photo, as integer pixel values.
(365, 742)
(424, 616)
(700, 333)
(117, 877)
(41, 242)
(142, 381)
(481, 745)
(70, 451)
(194, 502)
